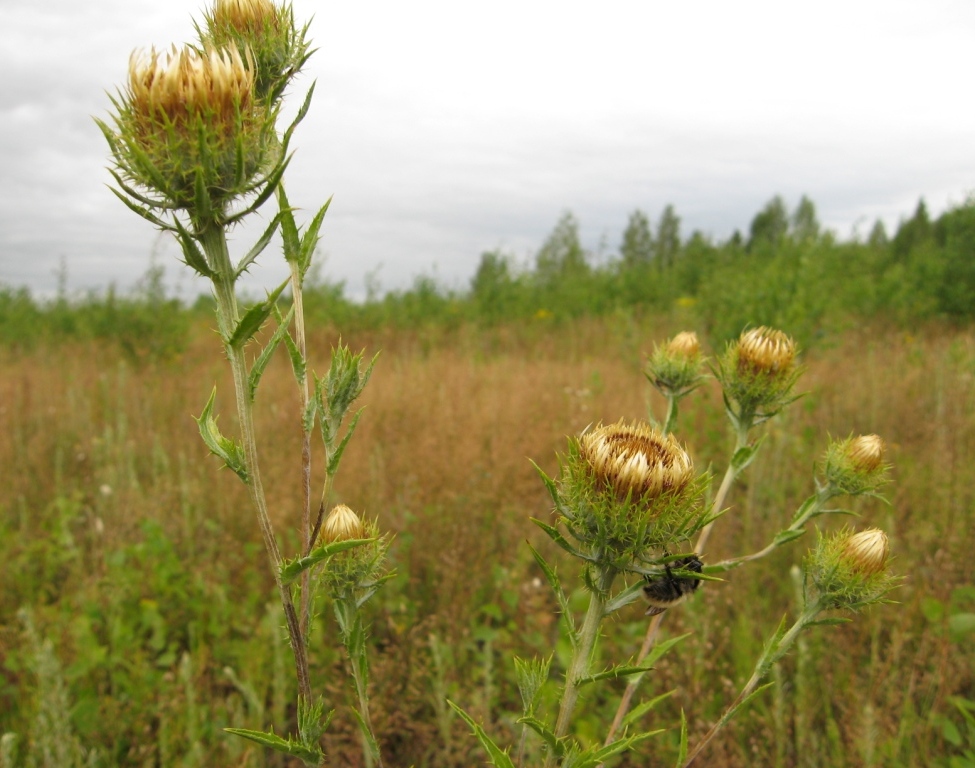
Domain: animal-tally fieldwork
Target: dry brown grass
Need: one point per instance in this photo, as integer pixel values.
(441, 458)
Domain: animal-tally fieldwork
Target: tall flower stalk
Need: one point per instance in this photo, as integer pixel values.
(196, 147)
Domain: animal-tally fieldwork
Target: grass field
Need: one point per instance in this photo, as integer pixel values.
(137, 616)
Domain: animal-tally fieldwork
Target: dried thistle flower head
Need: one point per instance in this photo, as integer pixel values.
(867, 552)
(765, 350)
(758, 372)
(849, 569)
(245, 14)
(684, 344)
(188, 123)
(268, 30)
(186, 84)
(856, 465)
(342, 524)
(867, 452)
(636, 461)
(675, 367)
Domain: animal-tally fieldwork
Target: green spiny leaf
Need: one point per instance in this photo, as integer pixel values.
(663, 647)
(252, 321)
(310, 238)
(258, 248)
(191, 251)
(784, 537)
(640, 710)
(622, 670)
(556, 585)
(557, 745)
(224, 448)
(308, 755)
(261, 363)
(292, 569)
(559, 539)
(335, 457)
(499, 757)
(682, 750)
(371, 744)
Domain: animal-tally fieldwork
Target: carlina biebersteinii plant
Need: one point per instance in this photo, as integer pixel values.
(626, 499)
(846, 571)
(196, 146)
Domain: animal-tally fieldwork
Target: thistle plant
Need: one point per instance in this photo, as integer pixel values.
(629, 506)
(197, 147)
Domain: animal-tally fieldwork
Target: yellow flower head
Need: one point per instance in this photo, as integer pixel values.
(684, 344)
(765, 350)
(185, 85)
(867, 552)
(342, 524)
(635, 461)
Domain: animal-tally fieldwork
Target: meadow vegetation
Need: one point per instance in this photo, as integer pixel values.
(136, 612)
(138, 624)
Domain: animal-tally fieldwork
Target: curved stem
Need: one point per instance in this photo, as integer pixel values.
(771, 654)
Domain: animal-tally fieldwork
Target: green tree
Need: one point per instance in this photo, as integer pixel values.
(955, 232)
(878, 235)
(491, 286)
(913, 233)
(770, 224)
(805, 225)
(562, 254)
(668, 237)
(637, 247)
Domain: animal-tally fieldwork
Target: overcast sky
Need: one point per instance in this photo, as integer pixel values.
(445, 129)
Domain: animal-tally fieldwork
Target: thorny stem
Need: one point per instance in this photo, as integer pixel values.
(214, 241)
(582, 656)
(651, 636)
(771, 654)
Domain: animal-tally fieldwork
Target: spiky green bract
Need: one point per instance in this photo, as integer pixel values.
(615, 519)
(188, 133)
(849, 570)
(357, 573)
(758, 372)
(278, 47)
(856, 465)
(674, 368)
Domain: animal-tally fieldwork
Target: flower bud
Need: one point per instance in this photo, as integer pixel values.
(758, 372)
(849, 569)
(188, 129)
(635, 461)
(265, 29)
(866, 552)
(342, 524)
(765, 350)
(684, 344)
(675, 367)
(856, 465)
(866, 453)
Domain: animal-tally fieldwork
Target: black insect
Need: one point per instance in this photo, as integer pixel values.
(667, 590)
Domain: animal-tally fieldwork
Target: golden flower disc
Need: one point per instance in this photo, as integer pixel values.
(185, 84)
(635, 460)
(866, 452)
(245, 15)
(684, 344)
(867, 552)
(342, 524)
(765, 350)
